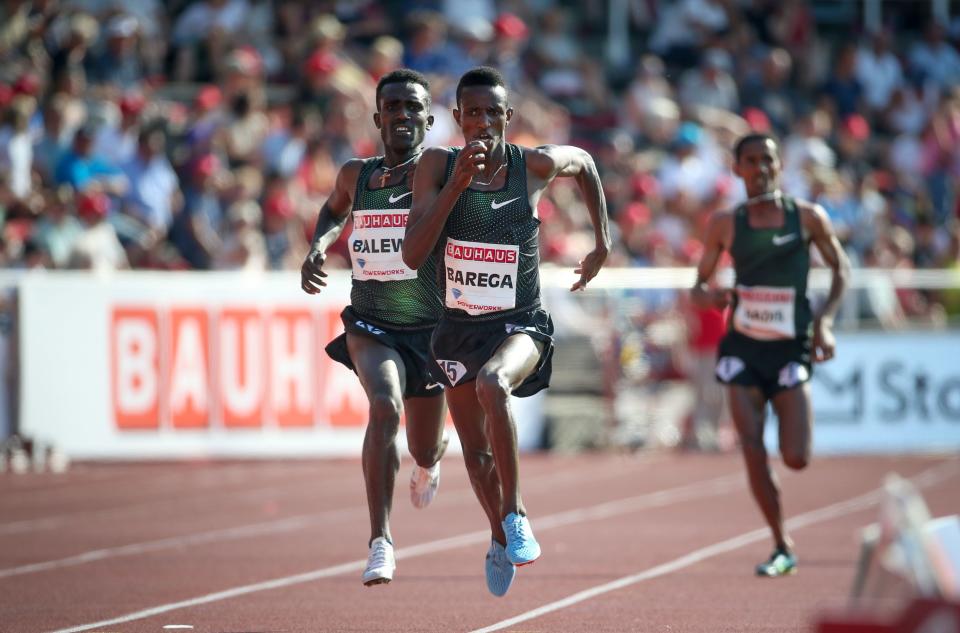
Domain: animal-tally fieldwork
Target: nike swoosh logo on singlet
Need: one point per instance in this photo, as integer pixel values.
(496, 205)
(400, 197)
(780, 240)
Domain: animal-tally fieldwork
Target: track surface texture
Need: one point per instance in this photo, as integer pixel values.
(650, 542)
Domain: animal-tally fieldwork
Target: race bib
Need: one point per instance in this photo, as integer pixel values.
(375, 245)
(765, 313)
(480, 278)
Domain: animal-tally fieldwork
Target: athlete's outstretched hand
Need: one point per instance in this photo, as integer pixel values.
(824, 342)
(311, 273)
(589, 267)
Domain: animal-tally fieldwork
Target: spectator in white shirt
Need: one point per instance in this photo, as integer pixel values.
(935, 59)
(154, 194)
(97, 248)
(878, 71)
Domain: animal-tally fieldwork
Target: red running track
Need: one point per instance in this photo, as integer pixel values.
(650, 542)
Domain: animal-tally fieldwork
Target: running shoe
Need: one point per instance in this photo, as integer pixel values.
(522, 548)
(781, 563)
(380, 563)
(425, 481)
(500, 571)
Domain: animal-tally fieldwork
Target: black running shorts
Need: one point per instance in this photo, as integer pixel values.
(412, 344)
(773, 366)
(460, 347)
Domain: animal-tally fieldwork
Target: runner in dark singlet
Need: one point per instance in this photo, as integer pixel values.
(475, 209)
(393, 309)
(774, 336)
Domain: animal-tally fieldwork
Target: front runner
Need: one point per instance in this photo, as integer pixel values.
(774, 335)
(475, 207)
(393, 309)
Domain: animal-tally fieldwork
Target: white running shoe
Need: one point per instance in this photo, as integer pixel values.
(423, 485)
(380, 563)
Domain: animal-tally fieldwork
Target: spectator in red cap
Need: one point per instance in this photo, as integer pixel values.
(280, 226)
(853, 143)
(196, 229)
(208, 118)
(510, 35)
(319, 85)
(97, 247)
(117, 142)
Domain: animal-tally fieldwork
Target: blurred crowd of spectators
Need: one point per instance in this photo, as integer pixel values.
(205, 134)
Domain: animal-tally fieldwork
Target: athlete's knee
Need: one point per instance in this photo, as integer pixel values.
(425, 455)
(493, 389)
(385, 412)
(478, 462)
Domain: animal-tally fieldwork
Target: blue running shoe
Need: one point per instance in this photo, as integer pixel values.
(522, 548)
(500, 571)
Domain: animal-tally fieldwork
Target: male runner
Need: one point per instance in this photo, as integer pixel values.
(773, 335)
(393, 309)
(475, 208)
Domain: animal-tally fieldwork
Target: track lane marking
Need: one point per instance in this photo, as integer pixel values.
(700, 489)
(55, 521)
(927, 478)
(287, 524)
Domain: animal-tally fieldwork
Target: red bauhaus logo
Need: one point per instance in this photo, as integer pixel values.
(230, 367)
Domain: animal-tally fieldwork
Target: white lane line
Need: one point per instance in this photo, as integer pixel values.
(696, 490)
(289, 524)
(282, 490)
(274, 490)
(928, 478)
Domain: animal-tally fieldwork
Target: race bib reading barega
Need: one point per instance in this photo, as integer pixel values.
(375, 245)
(765, 313)
(480, 278)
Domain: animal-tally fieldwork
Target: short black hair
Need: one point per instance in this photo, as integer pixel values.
(402, 76)
(480, 76)
(750, 138)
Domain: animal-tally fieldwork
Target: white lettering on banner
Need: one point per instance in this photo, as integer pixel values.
(291, 365)
(188, 379)
(270, 370)
(188, 371)
(375, 245)
(765, 313)
(481, 278)
(886, 393)
(137, 382)
(241, 369)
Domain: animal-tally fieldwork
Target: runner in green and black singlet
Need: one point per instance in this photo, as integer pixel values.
(774, 337)
(474, 208)
(383, 288)
(393, 311)
(505, 280)
(771, 267)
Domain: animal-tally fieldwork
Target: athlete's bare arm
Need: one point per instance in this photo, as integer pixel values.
(330, 222)
(433, 198)
(719, 236)
(818, 227)
(547, 162)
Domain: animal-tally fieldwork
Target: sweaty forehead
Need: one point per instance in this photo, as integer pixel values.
(481, 96)
(407, 91)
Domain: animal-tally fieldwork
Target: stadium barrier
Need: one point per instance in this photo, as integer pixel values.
(166, 365)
